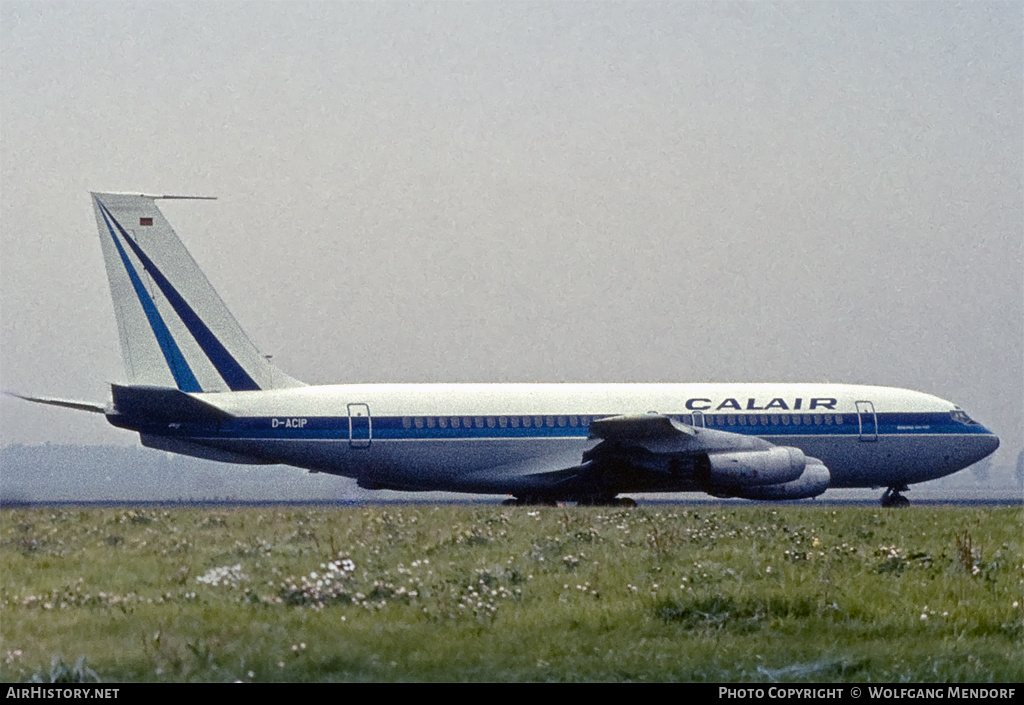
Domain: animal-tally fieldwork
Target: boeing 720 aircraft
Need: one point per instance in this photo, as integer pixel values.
(198, 386)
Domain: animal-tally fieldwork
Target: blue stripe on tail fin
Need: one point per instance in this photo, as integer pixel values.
(175, 330)
(236, 377)
(183, 375)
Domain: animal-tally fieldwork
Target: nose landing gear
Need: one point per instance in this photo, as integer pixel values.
(892, 497)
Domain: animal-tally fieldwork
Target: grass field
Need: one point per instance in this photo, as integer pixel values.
(488, 593)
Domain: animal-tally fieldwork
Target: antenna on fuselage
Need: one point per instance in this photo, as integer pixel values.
(183, 198)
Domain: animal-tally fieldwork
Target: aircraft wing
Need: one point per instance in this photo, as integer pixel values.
(653, 432)
(653, 452)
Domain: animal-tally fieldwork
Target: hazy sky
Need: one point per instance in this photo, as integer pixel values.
(524, 191)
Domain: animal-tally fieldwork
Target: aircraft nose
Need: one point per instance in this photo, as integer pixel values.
(973, 448)
(982, 445)
(990, 444)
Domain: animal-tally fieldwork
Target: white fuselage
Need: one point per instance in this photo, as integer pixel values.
(491, 438)
(198, 385)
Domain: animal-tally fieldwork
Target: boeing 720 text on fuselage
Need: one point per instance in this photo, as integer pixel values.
(198, 386)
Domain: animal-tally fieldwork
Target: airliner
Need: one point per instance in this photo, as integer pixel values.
(197, 385)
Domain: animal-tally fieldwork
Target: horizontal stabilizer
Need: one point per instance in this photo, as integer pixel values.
(66, 403)
(163, 404)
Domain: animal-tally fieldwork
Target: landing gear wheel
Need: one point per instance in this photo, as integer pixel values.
(607, 502)
(530, 501)
(892, 498)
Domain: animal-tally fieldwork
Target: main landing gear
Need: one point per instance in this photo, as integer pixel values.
(892, 497)
(624, 502)
(530, 501)
(540, 501)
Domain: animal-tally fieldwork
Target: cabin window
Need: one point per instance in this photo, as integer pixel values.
(467, 422)
(418, 421)
(573, 421)
(479, 421)
(562, 421)
(515, 421)
(784, 418)
(527, 422)
(490, 422)
(442, 422)
(406, 422)
(456, 422)
(503, 421)
(431, 422)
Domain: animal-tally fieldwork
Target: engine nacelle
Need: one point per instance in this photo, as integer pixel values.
(814, 480)
(754, 468)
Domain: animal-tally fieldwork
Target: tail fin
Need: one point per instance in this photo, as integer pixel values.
(175, 329)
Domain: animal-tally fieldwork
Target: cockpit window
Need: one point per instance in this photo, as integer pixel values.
(960, 416)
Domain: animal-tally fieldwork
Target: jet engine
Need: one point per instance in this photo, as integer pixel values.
(774, 466)
(814, 480)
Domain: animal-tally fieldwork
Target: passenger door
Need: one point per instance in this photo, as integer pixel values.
(360, 426)
(868, 421)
